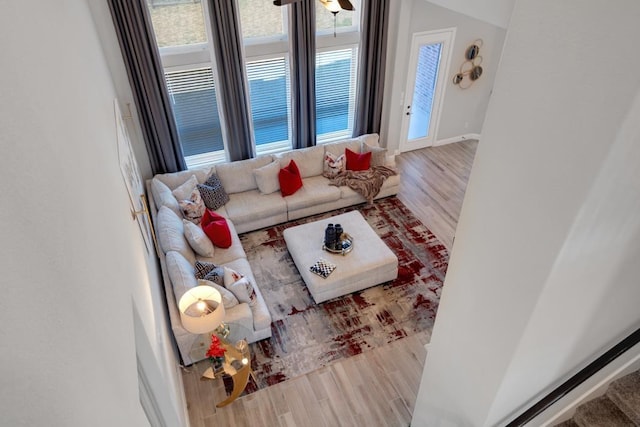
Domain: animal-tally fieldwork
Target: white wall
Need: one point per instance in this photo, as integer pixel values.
(496, 12)
(463, 110)
(74, 263)
(542, 275)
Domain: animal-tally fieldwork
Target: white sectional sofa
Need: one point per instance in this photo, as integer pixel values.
(254, 202)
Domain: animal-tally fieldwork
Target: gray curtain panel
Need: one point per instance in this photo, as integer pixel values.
(233, 90)
(302, 38)
(146, 76)
(372, 59)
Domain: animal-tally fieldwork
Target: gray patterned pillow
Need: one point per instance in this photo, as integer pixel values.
(209, 271)
(213, 193)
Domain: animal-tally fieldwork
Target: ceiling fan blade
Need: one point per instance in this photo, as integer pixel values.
(284, 2)
(345, 4)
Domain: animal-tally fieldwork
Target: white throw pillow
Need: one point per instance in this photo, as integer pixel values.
(240, 286)
(333, 165)
(267, 177)
(193, 208)
(198, 239)
(184, 191)
(228, 299)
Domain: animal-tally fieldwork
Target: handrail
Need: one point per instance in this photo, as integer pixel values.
(573, 382)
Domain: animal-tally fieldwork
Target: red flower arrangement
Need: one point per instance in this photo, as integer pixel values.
(216, 352)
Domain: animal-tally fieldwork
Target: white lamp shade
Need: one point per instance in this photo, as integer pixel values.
(201, 309)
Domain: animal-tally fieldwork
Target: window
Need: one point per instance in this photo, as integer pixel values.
(335, 93)
(336, 71)
(261, 20)
(177, 22)
(195, 109)
(264, 35)
(269, 89)
(183, 34)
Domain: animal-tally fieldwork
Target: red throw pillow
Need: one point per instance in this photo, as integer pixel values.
(216, 229)
(290, 179)
(356, 161)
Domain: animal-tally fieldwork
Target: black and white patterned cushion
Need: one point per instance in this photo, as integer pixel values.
(209, 271)
(213, 193)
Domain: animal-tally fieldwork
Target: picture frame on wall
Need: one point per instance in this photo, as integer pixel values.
(133, 180)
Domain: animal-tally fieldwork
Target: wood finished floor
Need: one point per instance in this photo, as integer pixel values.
(378, 387)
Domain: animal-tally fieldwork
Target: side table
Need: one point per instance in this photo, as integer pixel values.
(237, 365)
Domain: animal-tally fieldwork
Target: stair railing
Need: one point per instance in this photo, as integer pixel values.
(573, 382)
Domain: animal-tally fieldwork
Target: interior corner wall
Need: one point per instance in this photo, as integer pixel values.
(463, 110)
(73, 260)
(541, 276)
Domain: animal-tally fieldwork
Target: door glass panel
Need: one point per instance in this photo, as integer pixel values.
(422, 101)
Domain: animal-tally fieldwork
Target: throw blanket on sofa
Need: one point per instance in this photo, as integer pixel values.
(367, 183)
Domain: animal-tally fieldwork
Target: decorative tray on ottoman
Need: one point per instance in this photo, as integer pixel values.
(346, 242)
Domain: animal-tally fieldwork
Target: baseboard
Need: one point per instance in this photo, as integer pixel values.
(564, 408)
(458, 138)
(446, 141)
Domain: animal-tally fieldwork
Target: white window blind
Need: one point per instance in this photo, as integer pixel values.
(335, 93)
(269, 89)
(195, 109)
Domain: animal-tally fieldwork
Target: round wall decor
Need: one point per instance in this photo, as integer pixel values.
(470, 68)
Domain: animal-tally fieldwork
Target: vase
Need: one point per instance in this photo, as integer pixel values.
(217, 366)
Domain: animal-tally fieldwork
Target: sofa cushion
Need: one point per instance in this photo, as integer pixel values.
(333, 165)
(197, 239)
(228, 298)
(170, 230)
(183, 191)
(253, 205)
(216, 228)
(175, 179)
(308, 160)
(378, 154)
(209, 271)
(316, 191)
(181, 274)
(338, 148)
(192, 208)
(267, 177)
(261, 315)
(370, 139)
(162, 196)
(290, 179)
(238, 176)
(214, 197)
(240, 286)
(357, 161)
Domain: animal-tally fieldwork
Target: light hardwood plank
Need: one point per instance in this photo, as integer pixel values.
(378, 387)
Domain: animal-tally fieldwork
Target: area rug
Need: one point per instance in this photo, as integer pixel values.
(306, 335)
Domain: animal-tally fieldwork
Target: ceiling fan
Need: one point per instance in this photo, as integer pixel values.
(333, 5)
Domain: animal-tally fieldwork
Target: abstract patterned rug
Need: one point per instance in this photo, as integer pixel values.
(307, 336)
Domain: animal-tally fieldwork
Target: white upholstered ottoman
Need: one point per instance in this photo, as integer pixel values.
(369, 263)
